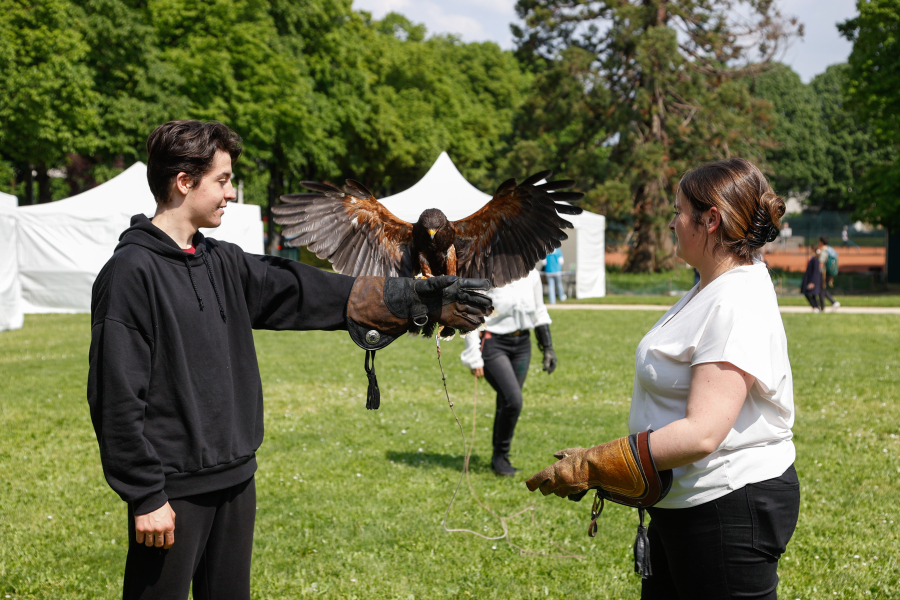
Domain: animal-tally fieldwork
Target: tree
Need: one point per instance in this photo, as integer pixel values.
(670, 70)
(797, 155)
(873, 93)
(396, 100)
(227, 61)
(562, 124)
(852, 148)
(136, 90)
(48, 108)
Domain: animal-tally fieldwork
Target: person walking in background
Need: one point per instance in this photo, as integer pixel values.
(553, 268)
(828, 259)
(845, 238)
(811, 286)
(785, 234)
(502, 355)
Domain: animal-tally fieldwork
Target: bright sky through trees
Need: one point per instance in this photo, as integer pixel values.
(477, 20)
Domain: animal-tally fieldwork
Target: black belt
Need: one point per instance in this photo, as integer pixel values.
(514, 333)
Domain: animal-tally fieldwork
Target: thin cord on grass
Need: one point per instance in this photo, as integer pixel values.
(467, 451)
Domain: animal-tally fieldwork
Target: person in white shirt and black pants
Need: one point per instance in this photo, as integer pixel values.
(714, 397)
(502, 355)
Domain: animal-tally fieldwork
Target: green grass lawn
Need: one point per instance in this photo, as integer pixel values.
(351, 501)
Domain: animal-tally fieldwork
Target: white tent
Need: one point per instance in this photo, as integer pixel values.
(444, 187)
(63, 245)
(10, 292)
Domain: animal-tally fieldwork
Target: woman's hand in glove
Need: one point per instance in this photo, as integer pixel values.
(545, 343)
(549, 360)
(622, 467)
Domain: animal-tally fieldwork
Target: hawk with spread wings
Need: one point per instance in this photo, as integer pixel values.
(501, 242)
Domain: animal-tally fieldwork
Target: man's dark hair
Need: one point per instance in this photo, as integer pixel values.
(186, 147)
(823, 239)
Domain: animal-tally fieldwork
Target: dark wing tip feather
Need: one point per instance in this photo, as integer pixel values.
(358, 190)
(568, 209)
(537, 177)
(567, 196)
(509, 184)
(556, 185)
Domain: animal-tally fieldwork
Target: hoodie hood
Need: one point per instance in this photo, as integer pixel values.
(144, 233)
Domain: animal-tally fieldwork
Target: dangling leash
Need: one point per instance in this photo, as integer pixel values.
(467, 451)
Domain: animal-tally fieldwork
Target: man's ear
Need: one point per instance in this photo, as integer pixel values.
(183, 183)
(713, 220)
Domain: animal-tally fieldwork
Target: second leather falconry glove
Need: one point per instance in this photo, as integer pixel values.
(383, 308)
(622, 471)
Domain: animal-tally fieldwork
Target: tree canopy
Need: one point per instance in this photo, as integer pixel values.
(797, 149)
(672, 97)
(873, 91)
(621, 95)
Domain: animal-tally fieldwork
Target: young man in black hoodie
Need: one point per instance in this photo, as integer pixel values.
(174, 387)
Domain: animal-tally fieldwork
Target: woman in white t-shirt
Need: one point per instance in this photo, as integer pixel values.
(713, 385)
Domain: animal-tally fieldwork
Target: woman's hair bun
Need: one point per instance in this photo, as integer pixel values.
(766, 221)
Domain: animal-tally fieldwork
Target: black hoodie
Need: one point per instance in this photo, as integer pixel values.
(174, 387)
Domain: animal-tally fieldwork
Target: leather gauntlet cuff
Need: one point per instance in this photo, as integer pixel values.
(542, 333)
(372, 326)
(648, 485)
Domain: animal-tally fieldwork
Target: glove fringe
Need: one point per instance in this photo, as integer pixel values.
(373, 394)
(642, 549)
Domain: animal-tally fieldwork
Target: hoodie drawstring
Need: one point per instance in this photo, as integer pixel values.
(215, 288)
(187, 263)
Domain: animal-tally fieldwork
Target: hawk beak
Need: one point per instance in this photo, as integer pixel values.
(431, 232)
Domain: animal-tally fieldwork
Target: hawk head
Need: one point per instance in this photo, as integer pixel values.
(432, 220)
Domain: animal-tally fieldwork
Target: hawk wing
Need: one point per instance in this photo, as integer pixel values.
(518, 227)
(351, 229)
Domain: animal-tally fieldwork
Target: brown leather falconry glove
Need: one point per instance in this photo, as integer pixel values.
(623, 469)
(381, 309)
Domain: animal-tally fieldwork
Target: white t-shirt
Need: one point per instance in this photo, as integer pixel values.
(518, 305)
(735, 319)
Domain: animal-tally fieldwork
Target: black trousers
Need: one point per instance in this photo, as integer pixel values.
(213, 546)
(506, 359)
(814, 301)
(726, 548)
(827, 283)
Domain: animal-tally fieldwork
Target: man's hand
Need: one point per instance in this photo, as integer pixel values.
(455, 302)
(478, 372)
(156, 528)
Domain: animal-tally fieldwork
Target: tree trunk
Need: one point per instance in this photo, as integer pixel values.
(276, 189)
(43, 181)
(28, 171)
(652, 247)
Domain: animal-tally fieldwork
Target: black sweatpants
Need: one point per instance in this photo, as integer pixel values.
(723, 549)
(213, 546)
(506, 359)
